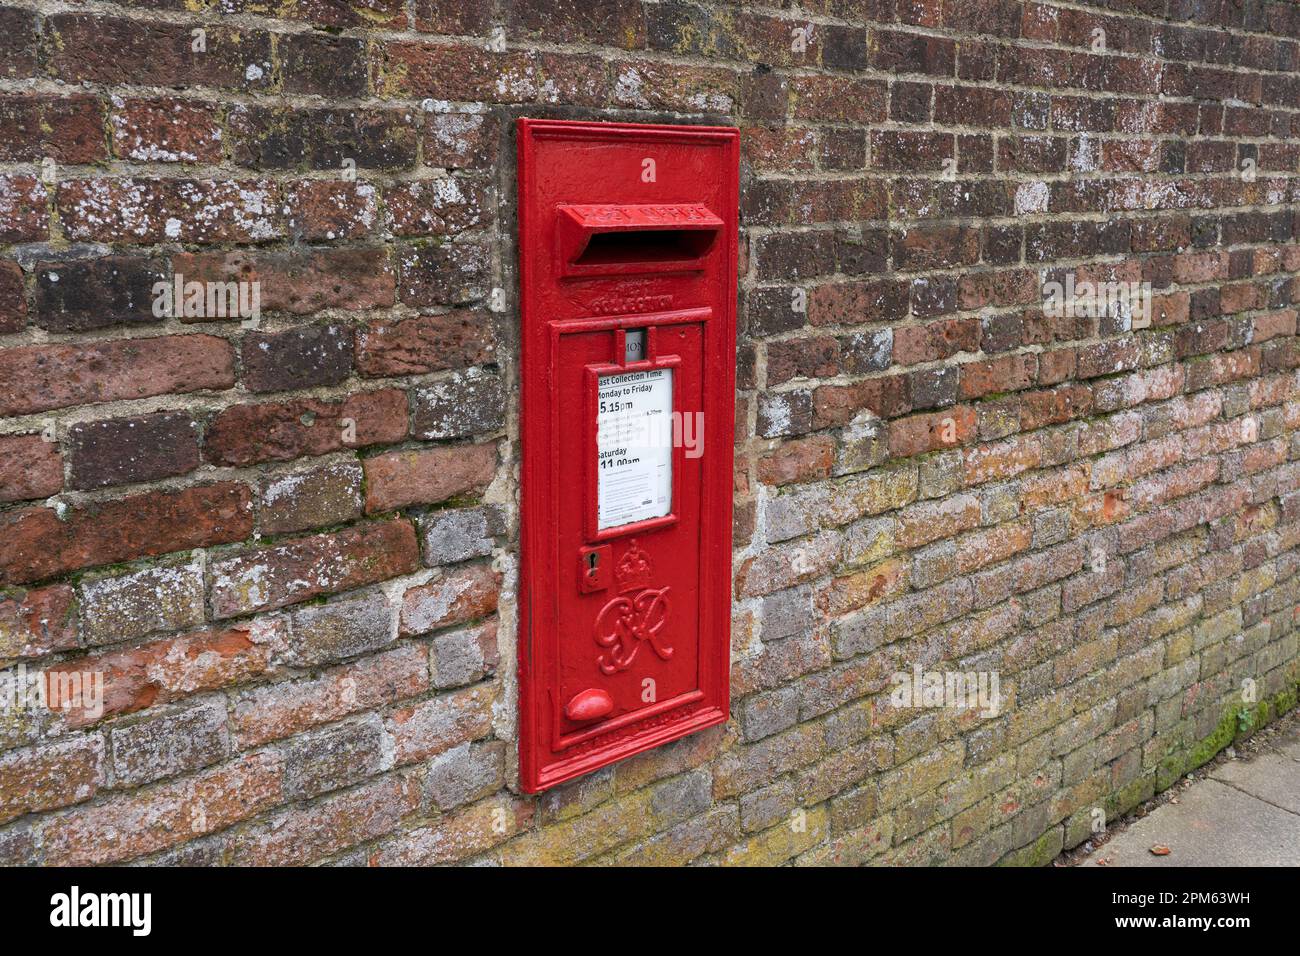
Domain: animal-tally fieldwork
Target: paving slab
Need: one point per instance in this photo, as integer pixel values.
(1272, 777)
(1289, 744)
(1213, 824)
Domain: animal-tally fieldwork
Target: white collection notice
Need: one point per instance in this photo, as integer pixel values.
(634, 447)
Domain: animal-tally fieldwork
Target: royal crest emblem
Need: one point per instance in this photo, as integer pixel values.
(637, 616)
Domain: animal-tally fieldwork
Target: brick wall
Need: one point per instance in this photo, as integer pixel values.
(289, 545)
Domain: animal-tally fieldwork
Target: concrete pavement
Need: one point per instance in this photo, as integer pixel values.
(1243, 812)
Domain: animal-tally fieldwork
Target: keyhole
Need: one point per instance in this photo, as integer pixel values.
(592, 560)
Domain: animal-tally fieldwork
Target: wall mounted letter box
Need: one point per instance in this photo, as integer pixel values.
(627, 252)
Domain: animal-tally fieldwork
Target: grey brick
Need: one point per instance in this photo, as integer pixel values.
(334, 757)
(169, 743)
(787, 613)
(768, 713)
(469, 403)
(331, 632)
(464, 656)
(316, 498)
(126, 606)
(683, 796)
(860, 633)
(461, 534)
(466, 773)
(795, 513)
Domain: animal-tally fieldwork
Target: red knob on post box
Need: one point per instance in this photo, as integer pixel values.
(589, 705)
(627, 260)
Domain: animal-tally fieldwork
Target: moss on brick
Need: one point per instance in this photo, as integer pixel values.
(1039, 853)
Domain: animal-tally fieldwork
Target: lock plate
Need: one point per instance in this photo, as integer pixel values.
(595, 568)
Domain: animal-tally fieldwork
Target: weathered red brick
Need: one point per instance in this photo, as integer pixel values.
(461, 595)
(839, 99)
(967, 528)
(37, 543)
(68, 129)
(85, 294)
(427, 475)
(304, 568)
(296, 358)
(460, 140)
(154, 53)
(459, 73)
(838, 404)
(301, 281)
(302, 834)
(293, 137)
(283, 431)
(121, 450)
(50, 776)
(23, 214)
(329, 66)
(323, 210)
(438, 207)
(169, 210)
(1002, 459)
(30, 467)
(927, 521)
(38, 622)
(423, 730)
(1272, 324)
(168, 670)
(458, 836)
(165, 130)
(18, 43)
(145, 821)
(804, 459)
(279, 710)
(41, 377)
(910, 150)
(13, 298)
(1008, 373)
(326, 13)
(914, 344)
(442, 274)
(618, 23)
(427, 343)
(922, 433)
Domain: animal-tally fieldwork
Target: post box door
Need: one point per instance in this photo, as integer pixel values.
(633, 634)
(628, 271)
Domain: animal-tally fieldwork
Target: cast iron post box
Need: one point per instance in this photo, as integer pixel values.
(627, 250)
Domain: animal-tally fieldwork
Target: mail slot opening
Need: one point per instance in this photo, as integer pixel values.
(644, 245)
(635, 238)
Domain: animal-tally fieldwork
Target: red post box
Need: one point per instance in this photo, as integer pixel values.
(627, 250)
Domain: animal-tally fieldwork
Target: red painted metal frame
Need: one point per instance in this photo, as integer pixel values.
(557, 303)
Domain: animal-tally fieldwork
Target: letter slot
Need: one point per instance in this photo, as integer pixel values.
(629, 239)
